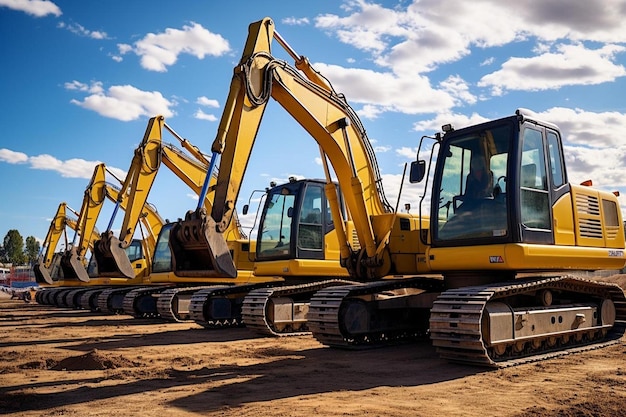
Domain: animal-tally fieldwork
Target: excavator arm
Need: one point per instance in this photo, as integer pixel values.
(146, 162)
(44, 266)
(55, 231)
(72, 260)
(149, 219)
(327, 117)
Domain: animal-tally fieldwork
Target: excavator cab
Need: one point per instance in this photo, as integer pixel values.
(294, 223)
(470, 210)
(526, 215)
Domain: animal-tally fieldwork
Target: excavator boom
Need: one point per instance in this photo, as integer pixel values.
(44, 261)
(95, 194)
(321, 112)
(146, 162)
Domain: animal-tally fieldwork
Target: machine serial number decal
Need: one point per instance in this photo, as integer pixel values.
(616, 253)
(496, 260)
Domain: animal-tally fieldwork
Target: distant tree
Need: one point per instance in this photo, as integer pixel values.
(32, 249)
(14, 247)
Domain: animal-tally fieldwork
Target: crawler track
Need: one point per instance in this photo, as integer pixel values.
(111, 300)
(140, 302)
(255, 307)
(168, 303)
(219, 306)
(328, 317)
(457, 316)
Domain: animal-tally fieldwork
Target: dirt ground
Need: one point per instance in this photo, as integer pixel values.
(63, 362)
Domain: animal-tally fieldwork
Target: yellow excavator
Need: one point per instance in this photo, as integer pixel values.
(78, 284)
(47, 269)
(500, 247)
(93, 198)
(48, 262)
(163, 283)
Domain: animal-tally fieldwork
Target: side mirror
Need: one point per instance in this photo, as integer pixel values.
(418, 170)
(245, 209)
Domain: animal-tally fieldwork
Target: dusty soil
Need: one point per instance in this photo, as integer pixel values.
(62, 362)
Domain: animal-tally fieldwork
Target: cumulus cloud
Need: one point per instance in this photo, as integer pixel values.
(386, 91)
(199, 114)
(589, 129)
(70, 168)
(158, 51)
(12, 157)
(457, 120)
(594, 145)
(567, 65)
(121, 102)
(204, 101)
(37, 8)
(409, 42)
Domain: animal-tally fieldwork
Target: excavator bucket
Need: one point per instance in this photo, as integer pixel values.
(111, 257)
(42, 274)
(72, 266)
(198, 249)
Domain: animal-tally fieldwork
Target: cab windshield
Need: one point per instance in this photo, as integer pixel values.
(472, 194)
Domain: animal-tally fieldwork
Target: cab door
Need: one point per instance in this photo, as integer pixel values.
(542, 181)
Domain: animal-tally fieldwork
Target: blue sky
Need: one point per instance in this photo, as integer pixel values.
(81, 79)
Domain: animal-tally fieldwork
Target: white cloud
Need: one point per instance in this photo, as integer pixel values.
(199, 114)
(204, 101)
(124, 48)
(410, 193)
(382, 149)
(37, 8)
(80, 30)
(589, 129)
(568, 65)
(369, 112)
(158, 51)
(12, 157)
(430, 33)
(70, 168)
(432, 126)
(95, 87)
(295, 21)
(122, 102)
(386, 91)
(406, 152)
(458, 88)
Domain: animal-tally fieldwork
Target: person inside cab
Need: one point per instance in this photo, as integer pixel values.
(479, 182)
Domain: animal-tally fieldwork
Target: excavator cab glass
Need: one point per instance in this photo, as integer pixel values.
(162, 258)
(497, 183)
(295, 219)
(472, 172)
(275, 227)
